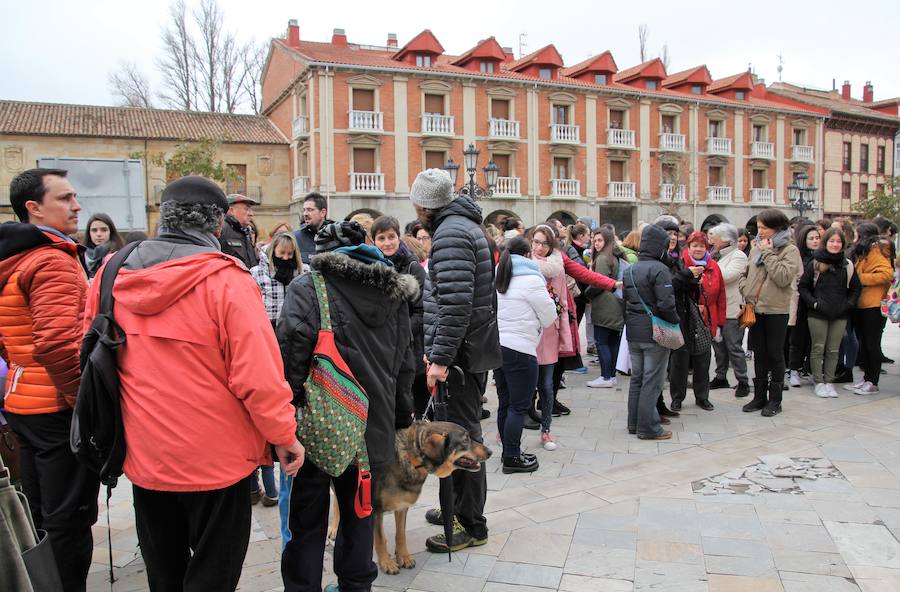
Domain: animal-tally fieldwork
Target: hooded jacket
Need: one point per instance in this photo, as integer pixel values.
(42, 290)
(460, 301)
(370, 318)
(525, 308)
(202, 381)
(875, 275)
(405, 262)
(649, 278)
(236, 242)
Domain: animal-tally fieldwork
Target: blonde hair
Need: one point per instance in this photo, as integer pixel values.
(280, 239)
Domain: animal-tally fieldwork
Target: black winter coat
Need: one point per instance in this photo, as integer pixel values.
(653, 281)
(405, 262)
(828, 296)
(370, 319)
(306, 239)
(460, 301)
(236, 242)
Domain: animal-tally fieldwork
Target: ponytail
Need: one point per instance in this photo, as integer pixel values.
(516, 245)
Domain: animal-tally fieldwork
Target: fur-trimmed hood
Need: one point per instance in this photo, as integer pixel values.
(396, 286)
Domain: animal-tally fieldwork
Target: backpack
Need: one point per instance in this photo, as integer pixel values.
(332, 426)
(97, 436)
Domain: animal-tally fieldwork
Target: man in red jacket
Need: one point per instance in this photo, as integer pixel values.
(42, 287)
(203, 390)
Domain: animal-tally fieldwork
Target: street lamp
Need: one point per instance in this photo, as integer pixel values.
(802, 196)
(470, 188)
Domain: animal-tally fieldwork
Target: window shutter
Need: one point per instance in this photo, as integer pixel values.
(363, 99)
(363, 160)
(500, 109)
(434, 159)
(434, 104)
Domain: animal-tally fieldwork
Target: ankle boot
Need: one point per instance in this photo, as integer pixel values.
(663, 410)
(773, 407)
(760, 386)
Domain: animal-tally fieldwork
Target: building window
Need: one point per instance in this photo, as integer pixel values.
(486, 66)
(740, 95)
(435, 159)
(845, 190)
(669, 124)
(560, 168)
(423, 60)
(696, 89)
(846, 156)
(716, 176)
(363, 99)
(879, 160)
(561, 114)
(799, 137)
(863, 191)
(864, 157)
(617, 171)
(363, 160)
(500, 108)
(759, 179)
(879, 188)
(545, 73)
(616, 119)
(650, 85)
(669, 173)
(237, 182)
(715, 129)
(759, 133)
(434, 104)
(599, 78)
(502, 162)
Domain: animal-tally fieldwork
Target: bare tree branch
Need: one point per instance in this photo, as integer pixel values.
(642, 41)
(233, 73)
(177, 62)
(664, 55)
(254, 57)
(208, 51)
(131, 86)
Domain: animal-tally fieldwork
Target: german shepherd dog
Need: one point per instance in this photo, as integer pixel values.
(425, 448)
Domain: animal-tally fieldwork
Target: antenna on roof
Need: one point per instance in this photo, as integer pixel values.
(780, 66)
(523, 43)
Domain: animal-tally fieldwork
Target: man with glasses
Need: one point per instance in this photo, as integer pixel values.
(315, 216)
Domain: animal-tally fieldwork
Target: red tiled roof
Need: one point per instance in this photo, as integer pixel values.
(424, 42)
(828, 100)
(489, 48)
(696, 75)
(742, 81)
(652, 69)
(603, 62)
(53, 119)
(545, 55)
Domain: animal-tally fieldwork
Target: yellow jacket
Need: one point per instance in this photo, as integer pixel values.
(875, 274)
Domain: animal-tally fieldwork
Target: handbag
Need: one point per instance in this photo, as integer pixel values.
(665, 333)
(748, 315)
(10, 450)
(332, 426)
(701, 338)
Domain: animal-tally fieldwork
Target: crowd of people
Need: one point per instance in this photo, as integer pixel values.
(223, 330)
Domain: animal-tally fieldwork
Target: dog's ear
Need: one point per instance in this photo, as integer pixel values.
(434, 447)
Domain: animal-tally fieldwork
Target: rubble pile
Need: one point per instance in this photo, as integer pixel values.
(773, 474)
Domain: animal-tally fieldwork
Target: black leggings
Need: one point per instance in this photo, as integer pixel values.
(768, 336)
(869, 324)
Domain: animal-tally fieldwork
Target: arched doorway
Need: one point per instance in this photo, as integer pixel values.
(713, 220)
(564, 216)
(498, 216)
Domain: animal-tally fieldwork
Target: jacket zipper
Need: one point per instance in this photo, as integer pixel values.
(16, 376)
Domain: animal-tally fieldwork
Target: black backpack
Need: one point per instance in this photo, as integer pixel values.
(97, 436)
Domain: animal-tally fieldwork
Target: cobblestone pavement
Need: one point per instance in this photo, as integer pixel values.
(607, 512)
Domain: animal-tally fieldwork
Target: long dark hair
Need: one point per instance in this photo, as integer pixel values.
(517, 245)
(609, 244)
(115, 240)
(867, 236)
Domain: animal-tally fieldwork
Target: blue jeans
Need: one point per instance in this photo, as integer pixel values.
(648, 371)
(516, 381)
(607, 341)
(286, 482)
(268, 477)
(545, 394)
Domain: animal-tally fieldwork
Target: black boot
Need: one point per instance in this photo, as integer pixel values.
(742, 390)
(533, 417)
(773, 407)
(760, 386)
(663, 410)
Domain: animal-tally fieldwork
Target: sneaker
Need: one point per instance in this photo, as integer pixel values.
(831, 391)
(434, 516)
(331, 588)
(854, 386)
(560, 409)
(601, 382)
(664, 435)
(255, 496)
(547, 441)
(485, 414)
(821, 390)
(719, 383)
(519, 464)
(742, 390)
(268, 502)
(867, 389)
(594, 362)
(807, 378)
(459, 540)
(582, 370)
(795, 379)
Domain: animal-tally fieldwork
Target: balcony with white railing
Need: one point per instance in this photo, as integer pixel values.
(300, 127)
(762, 196)
(367, 183)
(437, 125)
(720, 146)
(507, 187)
(561, 133)
(565, 188)
(620, 190)
(503, 128)
(300, 187)
(669, 192)
(802, 153)
(718, 194)
(762, 150)
(671, 142)
(366, 121)
(620, 138)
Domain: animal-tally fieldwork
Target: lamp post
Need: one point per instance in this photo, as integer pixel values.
(802, 196)
(470, 188)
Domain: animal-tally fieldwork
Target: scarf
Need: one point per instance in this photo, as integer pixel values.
(189, 236)
(285, 270)
(525, 266)
(401, 257)
(702, 261)
(366, 254)
(550, 266)
(779, 239)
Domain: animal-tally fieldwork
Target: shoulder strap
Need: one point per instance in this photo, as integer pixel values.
(644, 304)
(849, 269)
(110, 270)
(322, 297)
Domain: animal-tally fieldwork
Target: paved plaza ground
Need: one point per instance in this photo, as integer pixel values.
(607, 512)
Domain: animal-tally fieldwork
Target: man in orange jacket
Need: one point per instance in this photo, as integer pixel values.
(42, 292)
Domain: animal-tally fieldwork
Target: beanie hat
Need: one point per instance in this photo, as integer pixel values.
(339, 234)
(195, 190)
(432, 189)
(667, 223)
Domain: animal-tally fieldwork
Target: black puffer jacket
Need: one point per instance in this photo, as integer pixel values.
(653, 280)
(370, 318)
(405, 262)
(236, 242)
(829, 296)
(460, 301)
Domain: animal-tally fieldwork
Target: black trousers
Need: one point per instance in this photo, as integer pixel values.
(869, 325)
(469, 489)
(679, 361)
(800, 341)
(421, 395)
(304, 553)
(193, 541)
(768, 336)
(61, 492)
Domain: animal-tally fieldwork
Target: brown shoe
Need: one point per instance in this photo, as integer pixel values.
(269, 501)
(664, 435)
(665, 420)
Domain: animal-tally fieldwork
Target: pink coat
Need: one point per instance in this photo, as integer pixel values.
(202, 380)
(558, 336)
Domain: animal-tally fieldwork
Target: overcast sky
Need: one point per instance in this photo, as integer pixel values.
(62, 51)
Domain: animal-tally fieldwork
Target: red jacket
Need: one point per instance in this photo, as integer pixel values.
(712, 293)
(582, 274)
(202, 379)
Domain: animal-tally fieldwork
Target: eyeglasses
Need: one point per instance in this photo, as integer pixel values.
(534, 241)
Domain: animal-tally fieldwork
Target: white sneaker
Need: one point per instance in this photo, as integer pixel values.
(821, 390)
(602, 382)
(795, 378)
(831, 391)
(854, 386)
(547, 441)
(867, 389)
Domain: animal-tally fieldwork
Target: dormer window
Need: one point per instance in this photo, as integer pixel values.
(599, 78)
(740, 95)
(545, 73)
(486, 67)
(650, 85)
(423, 60)
(696, 89)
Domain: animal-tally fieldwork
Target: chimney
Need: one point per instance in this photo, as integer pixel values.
(868, 92)
(508, 52)
(392, 40)
(339, 37)
(293, 34)
(845, 90)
